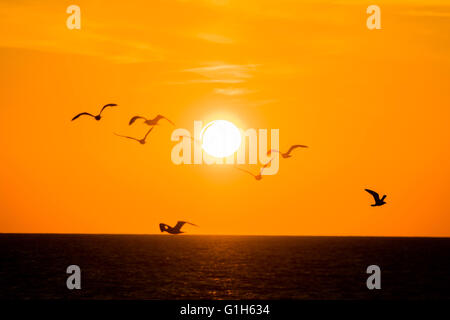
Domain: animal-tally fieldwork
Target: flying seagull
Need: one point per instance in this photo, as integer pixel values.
(259, 175)
(141, 141)
(97, 117)
(376, 196)
(150, 122)
(288, 153)
(175, 230)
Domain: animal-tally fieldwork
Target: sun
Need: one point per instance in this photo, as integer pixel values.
(220, 138)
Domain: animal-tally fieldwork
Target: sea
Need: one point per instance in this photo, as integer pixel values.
(191, 267)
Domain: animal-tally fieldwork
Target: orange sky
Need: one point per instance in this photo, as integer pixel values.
(374, 107)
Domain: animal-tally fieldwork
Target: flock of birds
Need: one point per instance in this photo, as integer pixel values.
(152, 122)
(283, 154)
(149, 122)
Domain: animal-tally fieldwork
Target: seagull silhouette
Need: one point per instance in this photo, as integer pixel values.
(288, 153)
(150, 122)
(141, 141)
(376, 196)
(256, 176)
(175, 230)
(97, 117)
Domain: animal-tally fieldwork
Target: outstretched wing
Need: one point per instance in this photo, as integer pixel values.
(181, 224)
(295, 146)
(192, 224)
(160, 116)
(265, 166)
(82, 114)
(145, 137)
(119, 135)
(108, 105)
(132, 120)
(251, 173)
(375, 195)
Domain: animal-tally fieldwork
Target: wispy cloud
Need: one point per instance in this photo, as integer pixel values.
(126, 50)
(232, 91)
(220, 73)
(95, 38)
(208, 2)
(219, 81)
(428, 13)
(251, 104)
(225, 71)
(216, 38)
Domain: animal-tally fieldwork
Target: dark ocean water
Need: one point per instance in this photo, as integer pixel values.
(222, 267)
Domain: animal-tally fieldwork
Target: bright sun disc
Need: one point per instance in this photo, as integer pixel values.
(220, 138)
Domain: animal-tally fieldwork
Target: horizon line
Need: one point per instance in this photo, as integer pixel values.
(229, 235)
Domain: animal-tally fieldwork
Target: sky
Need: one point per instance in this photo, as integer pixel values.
(372, 105)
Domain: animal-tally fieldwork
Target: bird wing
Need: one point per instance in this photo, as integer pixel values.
(265, 166)
(375, 195)
(159, 116)
(181, 224)
(295, 146)
(82, 114)
(132, 120)
(192, 224)
(119, 135)
(145, 137)
(108, 105)
(251, 173)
